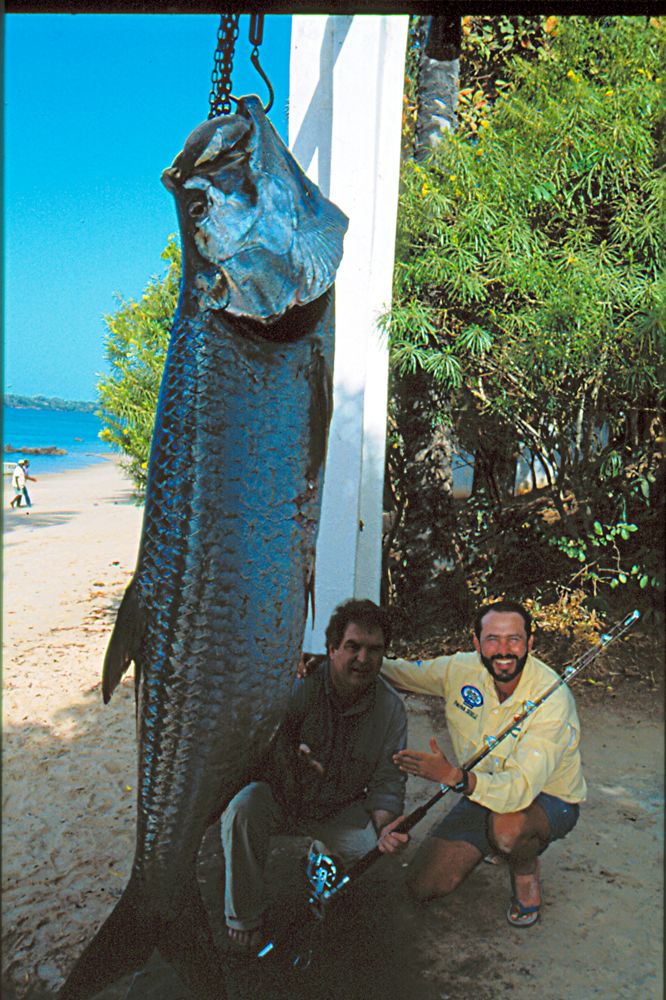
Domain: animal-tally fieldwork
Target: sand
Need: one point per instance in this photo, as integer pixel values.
(69, 807)
(68, 764)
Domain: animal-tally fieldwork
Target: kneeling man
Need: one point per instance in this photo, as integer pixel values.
(330, 773)
(524, 794)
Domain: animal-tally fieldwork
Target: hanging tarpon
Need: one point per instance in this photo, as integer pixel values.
(215, 614)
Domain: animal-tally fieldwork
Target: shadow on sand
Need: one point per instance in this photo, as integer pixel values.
(369, 943)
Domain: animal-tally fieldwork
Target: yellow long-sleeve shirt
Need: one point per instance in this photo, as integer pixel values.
(543, 757)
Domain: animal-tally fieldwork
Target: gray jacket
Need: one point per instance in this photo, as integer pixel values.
(355, 745)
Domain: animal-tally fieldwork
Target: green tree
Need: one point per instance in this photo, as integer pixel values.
(136, 345)
(528, 287)
(421, 472)
(422, 505)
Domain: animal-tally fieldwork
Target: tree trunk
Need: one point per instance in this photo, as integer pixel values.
(437, 83)
(495, 465)
(428, 583)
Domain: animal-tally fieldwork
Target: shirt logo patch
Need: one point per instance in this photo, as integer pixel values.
(471, 696)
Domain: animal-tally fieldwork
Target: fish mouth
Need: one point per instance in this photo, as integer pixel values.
(171, 178)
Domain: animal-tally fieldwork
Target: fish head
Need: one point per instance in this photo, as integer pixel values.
(257, 234)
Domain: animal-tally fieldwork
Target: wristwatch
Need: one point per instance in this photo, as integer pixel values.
(462, 786)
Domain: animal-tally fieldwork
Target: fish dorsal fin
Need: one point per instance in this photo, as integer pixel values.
(124, 643)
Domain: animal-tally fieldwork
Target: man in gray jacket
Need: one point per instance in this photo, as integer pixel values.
(330, 773)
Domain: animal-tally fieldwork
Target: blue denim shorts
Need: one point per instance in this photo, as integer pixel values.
(469, 821)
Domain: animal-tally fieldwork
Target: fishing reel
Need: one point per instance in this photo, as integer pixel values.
(325, 873)
(326, 876)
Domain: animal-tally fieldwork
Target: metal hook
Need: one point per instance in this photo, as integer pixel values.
(256, 38)
(254, 59)
(256, 35)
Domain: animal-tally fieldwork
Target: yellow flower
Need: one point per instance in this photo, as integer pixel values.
(609, 93)
(571, 74)
(452, 177)
(424, 190)
(484, 123)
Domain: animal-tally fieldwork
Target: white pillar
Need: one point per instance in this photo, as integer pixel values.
(345, 114)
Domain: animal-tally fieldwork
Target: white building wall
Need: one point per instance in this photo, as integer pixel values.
(345, 113)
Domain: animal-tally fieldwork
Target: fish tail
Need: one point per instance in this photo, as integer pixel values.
(123, 943)
(126, 940)
(187, 944)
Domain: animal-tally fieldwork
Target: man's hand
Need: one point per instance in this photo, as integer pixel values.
(391, 842)
(305, 757)
(307, 663)
(433, 766)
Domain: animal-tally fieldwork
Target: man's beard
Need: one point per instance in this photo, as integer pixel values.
(504, 678)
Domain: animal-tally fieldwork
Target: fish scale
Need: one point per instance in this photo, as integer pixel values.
(215, 614)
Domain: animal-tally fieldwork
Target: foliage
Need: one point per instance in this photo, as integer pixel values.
(136, 345)
(568, 616)
(488, 44)
(528, 285)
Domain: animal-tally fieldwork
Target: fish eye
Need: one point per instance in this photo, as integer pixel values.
(196, 209)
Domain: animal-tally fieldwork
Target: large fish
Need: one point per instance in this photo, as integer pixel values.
(215, 614)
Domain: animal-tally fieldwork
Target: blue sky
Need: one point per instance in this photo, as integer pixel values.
(96, 106)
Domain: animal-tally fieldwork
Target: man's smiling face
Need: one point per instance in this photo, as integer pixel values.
(503, 645)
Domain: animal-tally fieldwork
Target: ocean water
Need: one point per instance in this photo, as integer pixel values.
(77, 433)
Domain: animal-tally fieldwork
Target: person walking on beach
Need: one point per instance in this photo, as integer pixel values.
(19, 477)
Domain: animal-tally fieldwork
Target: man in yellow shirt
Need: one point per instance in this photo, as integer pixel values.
(524, 794)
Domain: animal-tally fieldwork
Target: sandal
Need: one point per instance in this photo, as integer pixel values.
(518, 914)
(246, 942)
(522, 916)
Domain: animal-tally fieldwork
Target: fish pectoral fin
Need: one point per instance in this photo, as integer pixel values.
(125, 641)
(320, 412)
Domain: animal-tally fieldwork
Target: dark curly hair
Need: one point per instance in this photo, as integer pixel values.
(361, 612)
(503, 607)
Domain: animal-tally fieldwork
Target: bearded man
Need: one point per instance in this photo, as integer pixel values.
(524, 794)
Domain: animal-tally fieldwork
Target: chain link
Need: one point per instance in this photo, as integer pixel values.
(220, 94)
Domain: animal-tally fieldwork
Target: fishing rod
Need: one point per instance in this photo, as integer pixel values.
(326, 881)
(512, 729)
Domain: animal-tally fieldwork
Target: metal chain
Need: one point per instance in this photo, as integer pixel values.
(220, 94)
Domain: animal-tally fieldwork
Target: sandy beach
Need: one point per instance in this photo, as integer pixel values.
(68, 763)
(69, 810)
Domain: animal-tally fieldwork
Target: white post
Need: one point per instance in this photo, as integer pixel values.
(345, 115)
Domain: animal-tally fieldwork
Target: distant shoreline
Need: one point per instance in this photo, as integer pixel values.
(49, 403)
